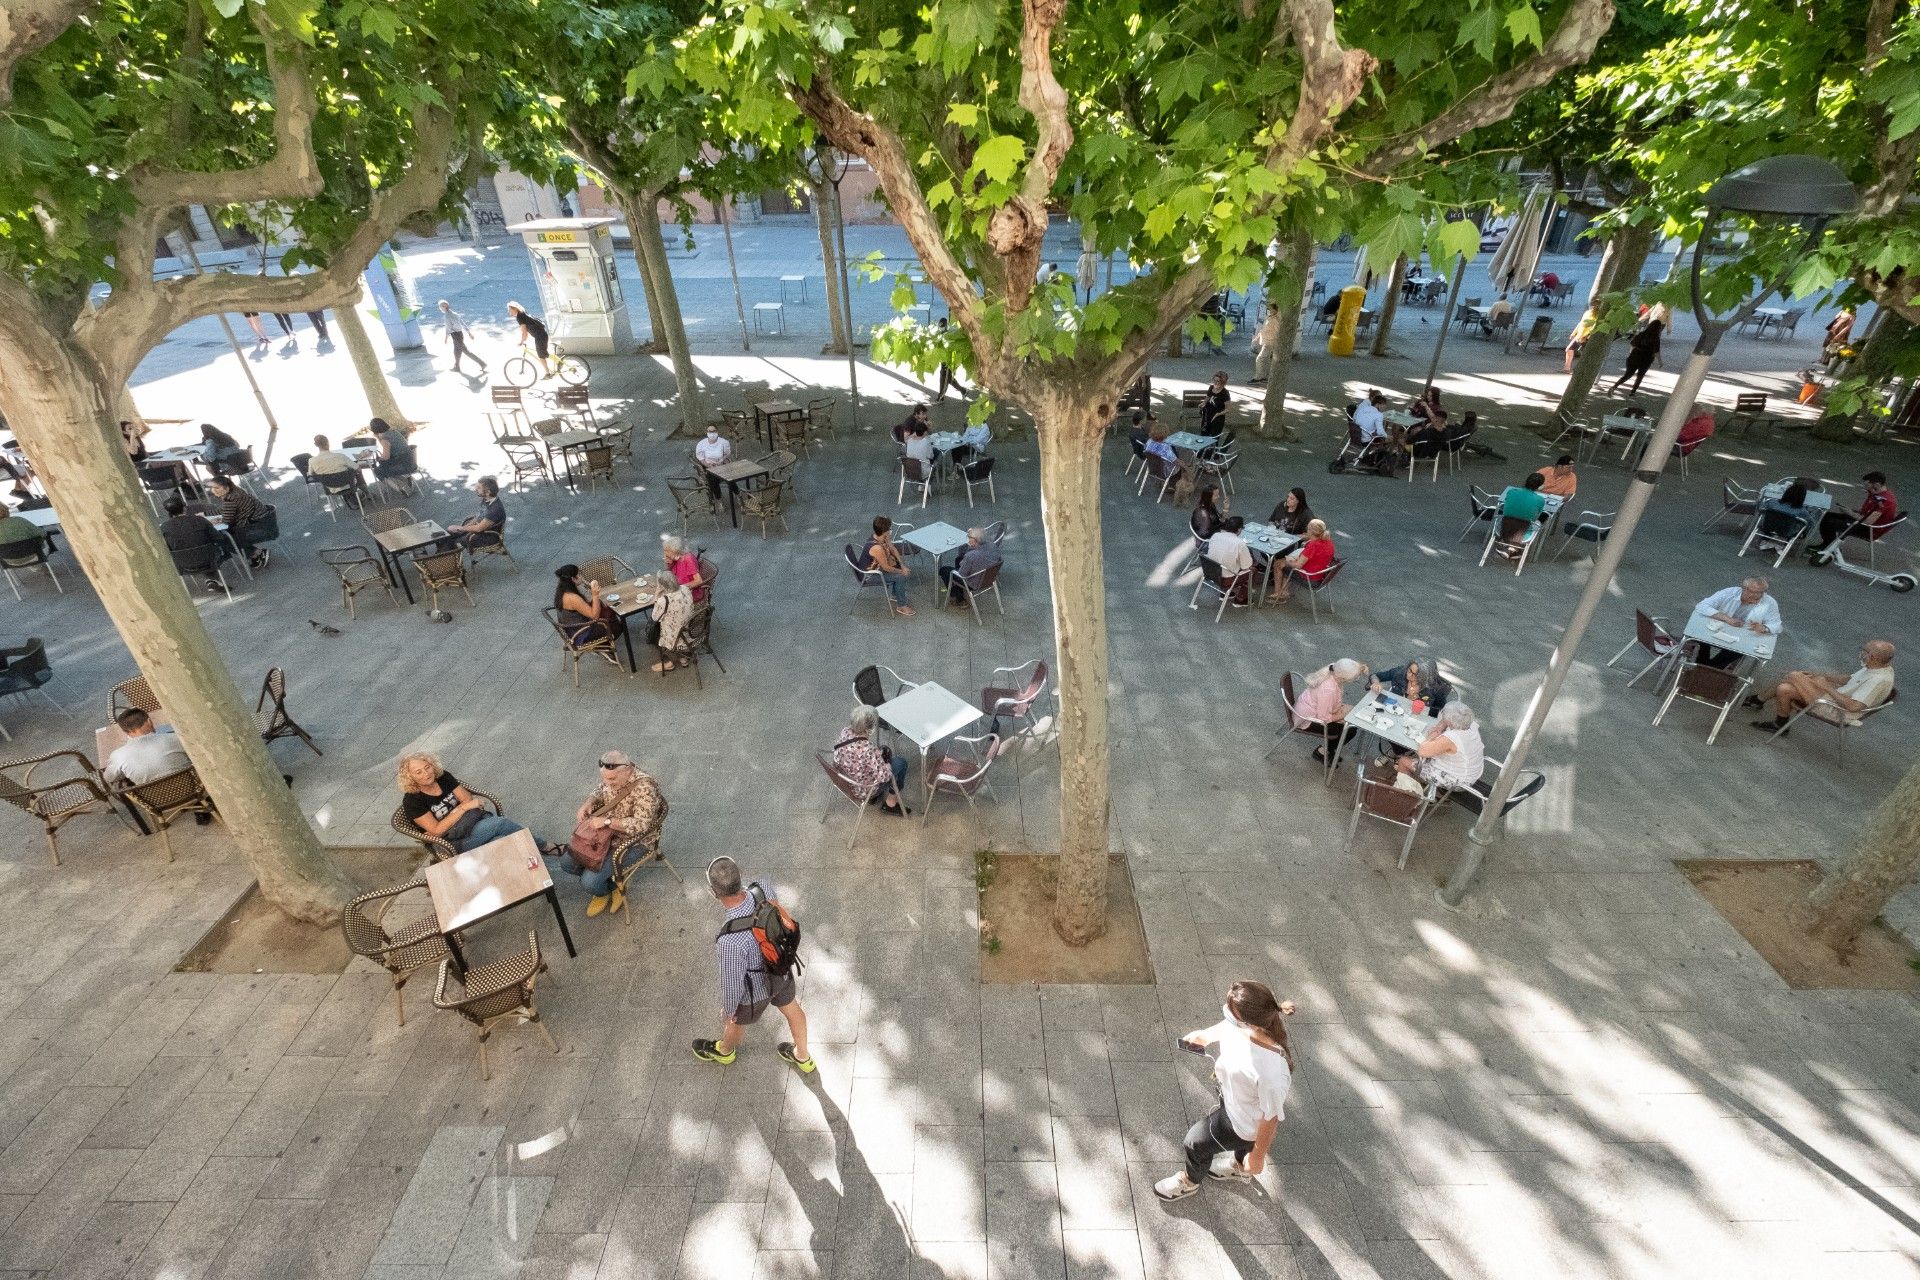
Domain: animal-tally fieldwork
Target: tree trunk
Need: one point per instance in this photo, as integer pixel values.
(1069, 428)
(643, 220)
(649, 287)
(1283, 323)
(823, 215)
(1884, 861)
(54, 401)
(1620, 265)
(1389, 307)
(373, 379)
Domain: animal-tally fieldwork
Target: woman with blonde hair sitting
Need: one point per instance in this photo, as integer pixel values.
(436, 802)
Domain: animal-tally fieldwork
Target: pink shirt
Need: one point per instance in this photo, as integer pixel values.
(1317, 703)
(686, 570)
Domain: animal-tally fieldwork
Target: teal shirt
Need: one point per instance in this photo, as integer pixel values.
(1524, 504)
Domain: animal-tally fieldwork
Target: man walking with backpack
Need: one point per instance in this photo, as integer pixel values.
(758, 948)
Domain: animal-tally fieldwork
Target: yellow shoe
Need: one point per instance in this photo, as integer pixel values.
(597, 905)
(619, 901)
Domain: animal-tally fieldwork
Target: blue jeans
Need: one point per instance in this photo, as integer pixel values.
(899, 764)
(491, 827)
(896, 587)
(600, 883)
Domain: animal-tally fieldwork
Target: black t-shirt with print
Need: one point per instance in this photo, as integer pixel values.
(418, 803)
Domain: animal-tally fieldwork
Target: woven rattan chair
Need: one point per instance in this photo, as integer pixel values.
(820, 416)
(623, 872)
(597, 464)
(413, 945)
(57, 795)
(599, 641)
(357, 570)
(275, 723)
(492, 993)
(526, 460)
(494, 546)
(132, 693)
(437, 849)
(577, 402)
(607, 570)
(696, 638)
(387, 518)
(692, 500)
(443, 571)
(164, 799)
(619, 438)
(764, 504)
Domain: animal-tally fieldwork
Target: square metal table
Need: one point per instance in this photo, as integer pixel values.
(734, 474)
(767, 412)
(1399, 418)
(1720, 635)
(481, 883)
(636, 596)
(1388, 717)
(1817, 499)
(1192, 441)
(395, 543)
(936, 540)
(1620, 424)
(1273, 542)
(927, 713)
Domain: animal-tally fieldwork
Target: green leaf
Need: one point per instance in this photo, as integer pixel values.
(1451, 239)
(1479, 29)
(999, 157)
(1523, 26)
(964, 114)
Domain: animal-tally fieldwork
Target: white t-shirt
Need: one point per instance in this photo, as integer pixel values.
(1254, 1080)
(920, 447)
(1230, 552)
(1372, 423)
(1869, 686)
(1462, 766)
(712, 452)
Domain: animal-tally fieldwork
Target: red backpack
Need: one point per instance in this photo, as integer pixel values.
(776, 933)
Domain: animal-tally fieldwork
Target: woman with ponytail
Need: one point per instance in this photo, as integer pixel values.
(1254, 1068)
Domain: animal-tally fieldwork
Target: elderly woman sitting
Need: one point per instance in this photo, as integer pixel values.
(1419, 678)
(1322, 708)
(626, 804)
(671, 612)
(869, 766)
(683, 564)
(1452, 755)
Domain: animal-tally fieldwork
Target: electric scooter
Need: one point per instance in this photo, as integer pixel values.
(1832, 555)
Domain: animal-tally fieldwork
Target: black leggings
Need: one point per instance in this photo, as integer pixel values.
(1208, 1138)
(1638, 362)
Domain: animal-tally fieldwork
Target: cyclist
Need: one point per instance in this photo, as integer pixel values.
(532, 330)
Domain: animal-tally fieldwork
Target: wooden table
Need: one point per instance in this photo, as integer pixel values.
(734, 474)
(481, 883)
(767, 412)
(563, 442)
(395, 543)
(636, 596)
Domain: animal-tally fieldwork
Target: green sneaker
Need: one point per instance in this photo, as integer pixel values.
(710, 1051)
(785, 1050)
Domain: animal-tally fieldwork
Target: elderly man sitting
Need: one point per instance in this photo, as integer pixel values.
(1747, 605)
(975, 560)
(1846, 697)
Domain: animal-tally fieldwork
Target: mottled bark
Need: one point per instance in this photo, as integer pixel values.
(654, 343)
(643, 221)
(54, 400)
(366, 363)
(1283, 324)
(1883, 862)
(1620, 265)
(825, 200)
(1389, 307)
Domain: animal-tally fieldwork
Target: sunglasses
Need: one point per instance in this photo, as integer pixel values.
(614, 764)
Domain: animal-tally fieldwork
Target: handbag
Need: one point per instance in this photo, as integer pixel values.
(590, 844)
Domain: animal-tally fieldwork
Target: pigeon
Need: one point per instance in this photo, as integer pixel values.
(323, 628)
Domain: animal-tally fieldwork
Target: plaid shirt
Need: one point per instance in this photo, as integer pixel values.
(743, 970)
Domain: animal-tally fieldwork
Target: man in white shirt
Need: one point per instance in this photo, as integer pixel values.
(1841, 699)
(147, 755)
(327, 460)
(713, 450)
(1228, 549)
(1367, 417)
(1747, 605)
(457, 332)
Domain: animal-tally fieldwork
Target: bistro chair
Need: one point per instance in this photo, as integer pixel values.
(961, 775)
(1218, 462)
(791, 433)
(1474, 799)
(1735, 500)
(1454, 443)
(1289, 695)
(1376, 796)
(692, 499)
(1191, 402)
(342, 488)
(1708, 686)
(164, 799)
(1514, 551)
(492, 543)
(977, 472)
(1597, 530)
(1537, 335)
(357, 570)
(607, 571)
(768, 502)
(780, 465)
(1014, 699)
(413, 945)
(276, 723)
(871, 690)
(203, 563)
(1482, 506)
(624, 871)
(1828, 712)
(1236, 590)
(1653, 638)
(387, 519)
(618, 437)
(596, 463)
(864, 578)
(594, 640)
(1314, 589)
(25, 555)
(576, 402)
(1426, 450)
(994, 534)
(525, 460)
(1871, 534)
(165, 477)
(1137, 442)
(1775, 531)
(978, 583)
(1158, 468)
(917, 473)
(443, 571)
(437, 849)
(495, 993)
(308, 480)
(855, 794)
(24, 669)
(820, 416)
(1583, 433)
(129, 694)
(696, 638)
(1749, 411)
(70, 787)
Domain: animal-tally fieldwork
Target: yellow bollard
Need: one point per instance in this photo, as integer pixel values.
(1346, 320)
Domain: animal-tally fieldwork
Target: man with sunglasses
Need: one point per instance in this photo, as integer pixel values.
(627, 803)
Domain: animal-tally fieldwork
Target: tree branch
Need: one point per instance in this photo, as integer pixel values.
(1571, 44)
(1331, 78)
(26, 27)
(124, 328)
(1018, 228)
(1893, 159)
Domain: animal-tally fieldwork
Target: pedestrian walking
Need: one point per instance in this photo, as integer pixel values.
(758, 948)
(318, 319)
(285, 322)
(1643, 348)
(457, 337)
(259, 330)
(1254, 1069)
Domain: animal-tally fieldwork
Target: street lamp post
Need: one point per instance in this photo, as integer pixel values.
(1803, 189)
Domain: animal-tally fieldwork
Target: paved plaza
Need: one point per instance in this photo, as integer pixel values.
(1586, 1073)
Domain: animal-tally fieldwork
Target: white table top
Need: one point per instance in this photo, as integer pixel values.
(1399, 417)
(1387, 716)
(927, 713)
(1721, 636)
(1554, 501)
(1189, 440)
(42, 517)
(1772, 313)
(937, 538)
(946, 440)
(773, 306)
(178, 453)
(792, 278)
(1269, 539)
(482, 881)
(1817, 499)
(1623, 422)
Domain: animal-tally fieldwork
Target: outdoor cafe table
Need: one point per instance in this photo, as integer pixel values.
(935, 539)
(1191, 441)
(1817, 499)
(767, 412)
(1619, 424)
(565, 442)
(735, 473)
(1390, 718)
(1273, 542)
(1400, 418)
(395, 543)
(1769, 317)
(481, 883)
(628, 598)
(927, 713)
(1702, 627)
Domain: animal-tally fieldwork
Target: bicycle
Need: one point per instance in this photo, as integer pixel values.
(523, 370)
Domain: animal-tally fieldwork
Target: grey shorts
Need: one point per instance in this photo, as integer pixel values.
(780, 993)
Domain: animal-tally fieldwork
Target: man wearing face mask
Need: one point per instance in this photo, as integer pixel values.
(712, 451)
(1254, 1069)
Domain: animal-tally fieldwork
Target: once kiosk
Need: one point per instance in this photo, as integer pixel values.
(580, 296)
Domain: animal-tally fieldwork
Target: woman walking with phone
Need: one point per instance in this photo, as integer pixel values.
(1254, 1068)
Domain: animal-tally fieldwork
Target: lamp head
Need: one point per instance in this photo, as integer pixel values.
(1786, 187)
